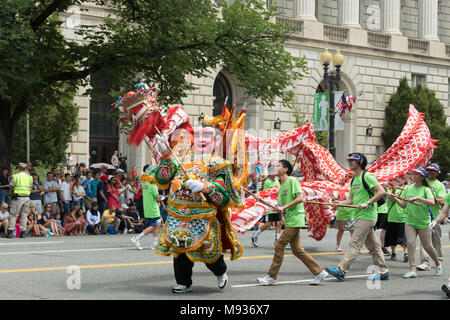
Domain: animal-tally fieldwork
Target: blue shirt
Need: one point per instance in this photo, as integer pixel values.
(87, 190)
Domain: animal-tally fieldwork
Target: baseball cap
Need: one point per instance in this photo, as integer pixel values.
(354, 156)
(104, 177)
(422, 171)
(434, 167)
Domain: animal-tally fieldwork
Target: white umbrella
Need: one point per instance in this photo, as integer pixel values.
(102, 166)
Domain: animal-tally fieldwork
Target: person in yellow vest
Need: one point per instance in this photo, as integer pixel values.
(21, 184)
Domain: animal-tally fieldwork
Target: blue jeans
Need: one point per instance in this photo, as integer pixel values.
(4, 197)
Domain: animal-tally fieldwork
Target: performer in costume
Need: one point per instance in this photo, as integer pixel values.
(198, 230)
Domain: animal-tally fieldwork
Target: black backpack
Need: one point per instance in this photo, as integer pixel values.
(381, 201)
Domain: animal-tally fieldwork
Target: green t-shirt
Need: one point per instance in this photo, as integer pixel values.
(396, 213)
(149, 193)
(438, 189)
(447, 199)
(345, 213)
(360, 195)
(417, 216)
(382, 209)
(269, 183)
(295, 216)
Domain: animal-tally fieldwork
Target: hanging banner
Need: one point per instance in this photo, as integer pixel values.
(338, 122)
(321, 111)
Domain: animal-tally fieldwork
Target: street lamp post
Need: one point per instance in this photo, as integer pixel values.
(332, 80)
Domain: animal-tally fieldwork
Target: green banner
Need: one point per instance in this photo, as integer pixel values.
(321, 110)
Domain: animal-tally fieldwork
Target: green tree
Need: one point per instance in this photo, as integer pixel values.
(424, 101)
(161, 41)
(51, 128)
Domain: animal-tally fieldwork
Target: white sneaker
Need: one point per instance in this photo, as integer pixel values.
(179, 288)
(423, 267)
(125, 231)
(136, 243)
(154, 245)
(267, 281)
(130, 230)
(222, 281)
(439, 270)
(322, 275)
(339, 249)
(410, 275)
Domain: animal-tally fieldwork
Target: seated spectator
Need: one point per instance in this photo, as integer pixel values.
(79, 214)
(48, 222)
(134, 219)
(78, 193)
(4, 217)
(33, 224)
(71, 225)
(58, 219)
(109, 218)
(93, 217)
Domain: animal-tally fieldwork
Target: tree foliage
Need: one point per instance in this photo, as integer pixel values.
(51, 128)
(424, 101)
(157, 41)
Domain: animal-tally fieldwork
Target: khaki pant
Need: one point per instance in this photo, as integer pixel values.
(425, 239)
(436, 241)
(363, 234)
(105, 225)
(87, 203)
(19, 208)
(292, 236)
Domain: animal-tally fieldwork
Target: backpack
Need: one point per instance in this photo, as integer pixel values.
(381, 201)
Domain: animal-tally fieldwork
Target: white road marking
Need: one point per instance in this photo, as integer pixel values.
(298, 281)
(18, 243)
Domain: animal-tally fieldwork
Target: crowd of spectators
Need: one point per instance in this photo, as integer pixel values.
(78, 201)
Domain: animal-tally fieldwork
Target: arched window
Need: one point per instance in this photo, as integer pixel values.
(221, 90)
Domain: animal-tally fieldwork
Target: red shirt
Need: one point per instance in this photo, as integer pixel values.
(139, 194)
(112, 191)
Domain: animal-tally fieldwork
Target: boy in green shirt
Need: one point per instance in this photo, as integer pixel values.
(152, 217)
(270, 217)
(290, 196)
(439, 193)
(444, 216)
(365, 220)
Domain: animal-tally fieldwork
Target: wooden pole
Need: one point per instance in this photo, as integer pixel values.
(407, 200)
(262, 201)
(332, 204)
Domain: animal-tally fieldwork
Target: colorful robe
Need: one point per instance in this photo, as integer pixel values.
(202, 230)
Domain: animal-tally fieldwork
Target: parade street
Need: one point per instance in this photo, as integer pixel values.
(109, 267)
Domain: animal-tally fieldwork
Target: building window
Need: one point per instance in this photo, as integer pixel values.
(448, 93)
(416, 79)
(221, 91)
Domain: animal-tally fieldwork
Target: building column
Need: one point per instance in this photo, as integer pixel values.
(391, 16)
(306, 9)
(349, 13)
(428, 19)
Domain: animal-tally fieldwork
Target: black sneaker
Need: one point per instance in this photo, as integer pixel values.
(446, 289)
(394, 256)
(405, 257)
(9, 235)
(385, 251)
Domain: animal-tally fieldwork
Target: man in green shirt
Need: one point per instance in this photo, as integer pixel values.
(152, 217)
(444, 216)
(439, 193)
(271, 217)
(365, 220)
(290, 196)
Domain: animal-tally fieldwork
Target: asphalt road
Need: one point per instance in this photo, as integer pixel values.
(109, 267)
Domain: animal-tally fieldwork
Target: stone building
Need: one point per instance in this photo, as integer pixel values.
(381, 40)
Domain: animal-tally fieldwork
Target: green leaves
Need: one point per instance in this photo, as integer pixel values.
(425, 101)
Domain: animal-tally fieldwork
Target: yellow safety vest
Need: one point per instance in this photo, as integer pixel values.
(22, 183)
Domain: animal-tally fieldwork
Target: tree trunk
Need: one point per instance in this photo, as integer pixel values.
(7, 126)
